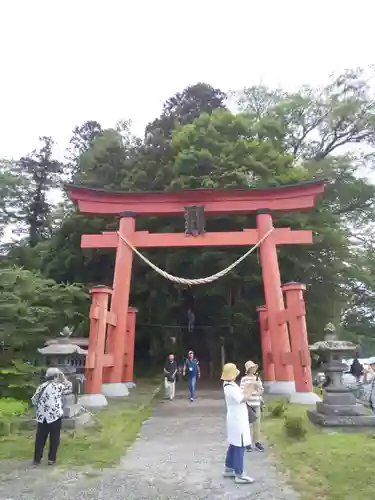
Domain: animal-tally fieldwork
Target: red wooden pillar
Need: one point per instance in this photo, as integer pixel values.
(275, 304)
(296, 313)
(98, 326)
(128, 373)
(118, 342)
(267, 355)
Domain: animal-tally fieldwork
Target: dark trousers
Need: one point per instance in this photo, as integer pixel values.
(44, 430)
(235, 459)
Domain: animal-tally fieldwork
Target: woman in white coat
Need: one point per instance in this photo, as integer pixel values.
(238, 430)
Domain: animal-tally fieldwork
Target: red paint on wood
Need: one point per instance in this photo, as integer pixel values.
(98, 326)
(274, 300)
(128, 370)
(298, 336)
(265, 337)
(285, 198)
(117, 341)
(144, 239)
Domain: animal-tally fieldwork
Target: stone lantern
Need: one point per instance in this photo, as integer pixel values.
(339, 407)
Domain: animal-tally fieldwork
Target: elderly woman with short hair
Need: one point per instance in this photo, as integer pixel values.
(238, 431)
(48, 400)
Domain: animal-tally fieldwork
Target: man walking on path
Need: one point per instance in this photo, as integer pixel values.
(170, 371)
(191, 368)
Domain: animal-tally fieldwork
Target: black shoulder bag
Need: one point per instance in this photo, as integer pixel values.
(251, 414)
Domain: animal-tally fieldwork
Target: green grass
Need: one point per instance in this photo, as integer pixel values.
(100, 445)
(327, 466)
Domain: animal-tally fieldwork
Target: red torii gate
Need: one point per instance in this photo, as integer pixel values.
(111, 352)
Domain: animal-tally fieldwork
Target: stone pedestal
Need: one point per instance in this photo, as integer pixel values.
(304, 398)
(267, 386)
(115, 390)
(282, 388)
(95, 401)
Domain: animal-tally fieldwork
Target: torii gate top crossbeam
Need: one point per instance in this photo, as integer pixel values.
(300, 196)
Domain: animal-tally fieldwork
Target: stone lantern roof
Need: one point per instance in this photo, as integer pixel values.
(79, 341)
(62, 349)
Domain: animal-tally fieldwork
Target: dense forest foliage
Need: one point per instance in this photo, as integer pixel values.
(265, 137)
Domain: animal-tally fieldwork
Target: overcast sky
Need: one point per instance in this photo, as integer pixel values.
(65, 62)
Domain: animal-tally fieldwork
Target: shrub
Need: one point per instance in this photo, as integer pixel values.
(10, 410)
(18, 379)
(295, 427)
(278, 408)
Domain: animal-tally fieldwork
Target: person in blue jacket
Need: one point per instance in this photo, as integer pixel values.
(192, 370)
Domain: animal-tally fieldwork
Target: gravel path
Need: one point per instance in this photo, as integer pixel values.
(179, 456)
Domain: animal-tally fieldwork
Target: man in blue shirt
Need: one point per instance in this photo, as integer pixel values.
(191, 368)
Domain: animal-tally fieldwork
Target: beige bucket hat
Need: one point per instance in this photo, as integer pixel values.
(230, 372)
(249, 365)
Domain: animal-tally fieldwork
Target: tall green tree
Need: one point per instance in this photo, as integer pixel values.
(81, 140)
(42, 172)
(12, 192)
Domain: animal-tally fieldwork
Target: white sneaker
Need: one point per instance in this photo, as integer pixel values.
(243, 479)
(228, 472)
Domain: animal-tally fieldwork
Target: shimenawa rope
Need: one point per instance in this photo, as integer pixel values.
(199, 281)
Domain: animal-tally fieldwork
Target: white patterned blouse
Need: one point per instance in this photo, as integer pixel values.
(48, 400)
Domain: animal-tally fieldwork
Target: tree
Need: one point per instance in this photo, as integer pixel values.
(12, 189)
(42, 173)
(84, 135)
(222, 150)
(81, 140)
(153, 169)
(315, 123)
(319, 127)
(32, 309)
(184, 107)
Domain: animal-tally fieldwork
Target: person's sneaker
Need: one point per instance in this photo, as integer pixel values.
(191, 400)
(249, 448)
(243, 479)
(51, 462)
(259, 447)
(35, 463)
(228, 472)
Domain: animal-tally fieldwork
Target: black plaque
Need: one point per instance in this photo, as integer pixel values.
(194, 221)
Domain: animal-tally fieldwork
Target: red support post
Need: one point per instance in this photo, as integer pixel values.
(267, 355)
(128, 374)
(298, 336)
(98, 326)
(296, 313)
(118, 341)
(284, 383)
